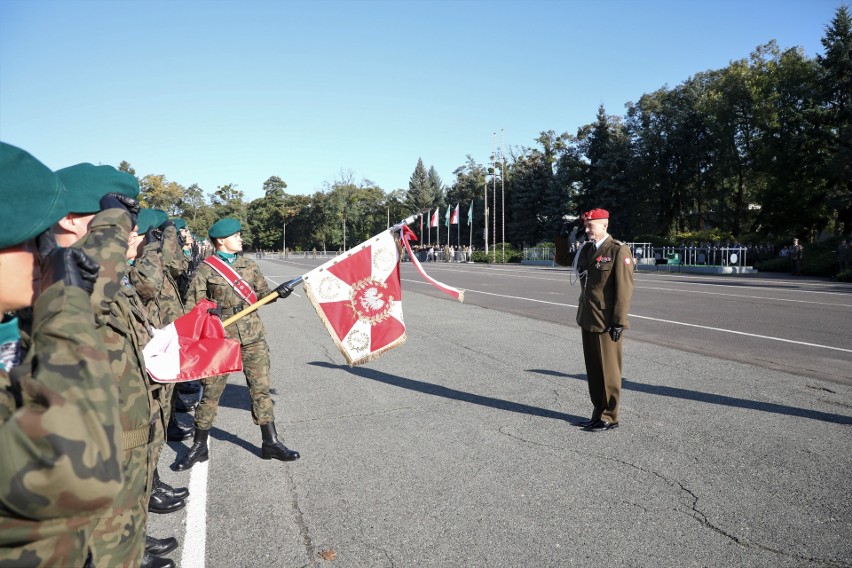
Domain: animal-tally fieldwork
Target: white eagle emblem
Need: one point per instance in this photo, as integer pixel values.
(372, 299)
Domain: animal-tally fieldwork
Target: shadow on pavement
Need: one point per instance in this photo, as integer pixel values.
(722, 400)
(444, 392)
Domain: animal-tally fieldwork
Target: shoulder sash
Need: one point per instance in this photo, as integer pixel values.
(237, 282)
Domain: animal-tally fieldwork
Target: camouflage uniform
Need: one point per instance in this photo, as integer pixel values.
(207, 283)
(119, 535)
(153, 276)
(60, 466)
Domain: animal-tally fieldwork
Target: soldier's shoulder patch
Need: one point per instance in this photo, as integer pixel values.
(627, 260)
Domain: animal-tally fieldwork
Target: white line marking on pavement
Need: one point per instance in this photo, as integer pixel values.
(293, 293)
(195, 537)
(740, 296)
(658, 319)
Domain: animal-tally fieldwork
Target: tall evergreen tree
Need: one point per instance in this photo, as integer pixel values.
(837, 95)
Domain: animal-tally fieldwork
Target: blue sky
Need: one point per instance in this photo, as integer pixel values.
(218, 92)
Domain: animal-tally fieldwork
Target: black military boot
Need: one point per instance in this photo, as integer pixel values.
(177, 432)
(162, 504)
(197, 453)
(160, 546)
(151, 561)
(272, 448)
(160, 486)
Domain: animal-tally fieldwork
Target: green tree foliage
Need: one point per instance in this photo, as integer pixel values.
(837, 118)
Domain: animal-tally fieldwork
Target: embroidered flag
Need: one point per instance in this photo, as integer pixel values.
(192, 347)
(454, 219)
(359, 299)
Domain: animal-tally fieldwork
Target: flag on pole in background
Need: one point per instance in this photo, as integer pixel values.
(470, 214)
(454, 219)
(434, 221)
(192, 347)
(359, 298)
(447, 217)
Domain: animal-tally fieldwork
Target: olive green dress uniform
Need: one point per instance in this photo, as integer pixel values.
(249, 331)
(605, 296)
(59, 424)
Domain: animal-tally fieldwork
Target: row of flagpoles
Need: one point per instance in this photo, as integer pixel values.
(450, 218)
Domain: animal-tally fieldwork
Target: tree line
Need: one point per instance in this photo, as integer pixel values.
(760, 149)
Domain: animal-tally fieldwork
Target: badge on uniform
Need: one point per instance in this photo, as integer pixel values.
(601, 259)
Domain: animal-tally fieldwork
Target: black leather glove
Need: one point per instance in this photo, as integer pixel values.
(71, 266)
(615, 332)
(153, 235)
(117, 200)
(567, 228)
(217, 311)
(45, 243)
(284, 290)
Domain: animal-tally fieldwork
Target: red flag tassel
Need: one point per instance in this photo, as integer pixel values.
(449, 290)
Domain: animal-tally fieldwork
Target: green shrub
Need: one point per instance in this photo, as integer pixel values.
(512, 254)
(655, 240)
(845, 276)
(710, 235)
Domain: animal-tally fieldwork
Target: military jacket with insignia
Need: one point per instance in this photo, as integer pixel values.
(607, 286)
(207, 283)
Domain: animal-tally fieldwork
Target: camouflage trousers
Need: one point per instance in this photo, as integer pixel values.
(162, 408)
(118, 538)
(256, 368)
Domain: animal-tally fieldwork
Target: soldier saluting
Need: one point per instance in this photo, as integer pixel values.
(606, 269)
(234, 282)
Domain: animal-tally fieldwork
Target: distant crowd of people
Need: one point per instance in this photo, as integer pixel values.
(446, 253)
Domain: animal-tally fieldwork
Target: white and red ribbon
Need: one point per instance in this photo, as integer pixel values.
(405, 235)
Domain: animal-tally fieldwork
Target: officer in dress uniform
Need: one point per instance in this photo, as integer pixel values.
(222, 278)
(606, 269)
(60, 432)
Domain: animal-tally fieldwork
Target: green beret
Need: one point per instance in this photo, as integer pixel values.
(87, 183)
(146, 219)
(224, 228)
(31, 196)
(179, 223)
(161, 216)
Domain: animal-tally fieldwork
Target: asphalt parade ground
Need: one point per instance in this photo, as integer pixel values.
(457, 448)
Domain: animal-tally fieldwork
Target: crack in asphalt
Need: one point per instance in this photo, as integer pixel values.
(310, 550)
(697, 514)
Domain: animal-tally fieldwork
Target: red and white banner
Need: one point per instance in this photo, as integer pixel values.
(454, 218)
(359, 299)
(192, 347)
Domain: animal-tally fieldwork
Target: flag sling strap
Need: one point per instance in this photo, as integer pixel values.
(237, 282)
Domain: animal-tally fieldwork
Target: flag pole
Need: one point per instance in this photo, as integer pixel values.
(458, 225)
(295, 282)
(470, 222)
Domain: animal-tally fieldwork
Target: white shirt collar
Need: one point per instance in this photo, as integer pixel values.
(600, 242)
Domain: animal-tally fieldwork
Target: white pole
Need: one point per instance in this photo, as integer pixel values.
(503, 193)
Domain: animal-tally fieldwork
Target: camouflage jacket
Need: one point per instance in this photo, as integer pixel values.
(60, 464)
(207, 283)
(155, 276)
